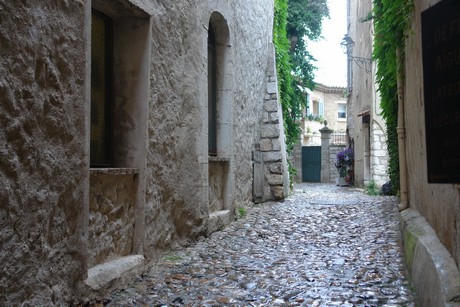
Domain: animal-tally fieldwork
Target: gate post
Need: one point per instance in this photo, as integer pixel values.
(325, 155)
(297, 161)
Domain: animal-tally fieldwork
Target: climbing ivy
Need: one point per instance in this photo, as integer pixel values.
(392, 19)
(284, 68)
(299, 19)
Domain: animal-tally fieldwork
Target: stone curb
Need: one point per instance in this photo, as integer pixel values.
(432, 268)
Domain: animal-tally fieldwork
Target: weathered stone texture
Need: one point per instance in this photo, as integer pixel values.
(251, 38)
(44, 141)
(111, 217)
(333, 151)
(177, 193)
(271, 106)
(437, 203)
(364, 99)
(270, 131)
(42, 150)
(217, 182)
(175, 205)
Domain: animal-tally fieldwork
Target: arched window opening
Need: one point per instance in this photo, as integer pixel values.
(212, 93)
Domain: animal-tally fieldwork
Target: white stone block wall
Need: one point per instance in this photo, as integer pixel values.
(379, 155)
(272, 141)
(333, 151)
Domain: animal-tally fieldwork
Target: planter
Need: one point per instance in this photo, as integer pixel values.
(341, 182)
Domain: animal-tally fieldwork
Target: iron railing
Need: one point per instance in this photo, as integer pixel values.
(338, 138)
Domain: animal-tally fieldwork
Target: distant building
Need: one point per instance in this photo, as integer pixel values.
(365, 124)
(323, 103)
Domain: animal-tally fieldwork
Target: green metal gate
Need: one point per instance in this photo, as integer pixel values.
(311, 164)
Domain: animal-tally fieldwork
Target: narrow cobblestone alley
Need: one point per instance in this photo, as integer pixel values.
(322, 246)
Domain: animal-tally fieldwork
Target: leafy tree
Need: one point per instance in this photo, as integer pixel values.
(305, 19)
(295, 22)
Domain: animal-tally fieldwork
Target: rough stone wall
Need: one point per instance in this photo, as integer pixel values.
(361, 97)
(176, 195)
(364, 97)
(333, 151)
(111, 216)
(217, 183)
(252, 39)
(43, 183)
(438, 203)
(272, 140)
(44, 140)
(177, 170)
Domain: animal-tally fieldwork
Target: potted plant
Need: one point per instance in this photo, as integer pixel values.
(344, 163)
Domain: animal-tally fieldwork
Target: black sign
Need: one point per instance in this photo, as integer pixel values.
(441, 71)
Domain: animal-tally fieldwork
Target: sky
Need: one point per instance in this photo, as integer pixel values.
(331, 61)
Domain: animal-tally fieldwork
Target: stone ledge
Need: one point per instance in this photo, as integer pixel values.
(218, 220)
(113, 171)
(218, 159)
(102, 274)
(433, 270)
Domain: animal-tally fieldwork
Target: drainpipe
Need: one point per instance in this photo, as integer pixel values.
(401, 130)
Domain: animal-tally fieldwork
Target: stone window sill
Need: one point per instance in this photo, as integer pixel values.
(218, 159)
(113, 171)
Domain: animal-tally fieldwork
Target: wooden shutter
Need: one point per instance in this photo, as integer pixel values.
(309, 106)
(321, 108)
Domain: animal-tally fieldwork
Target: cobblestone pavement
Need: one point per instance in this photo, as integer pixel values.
(323, 246)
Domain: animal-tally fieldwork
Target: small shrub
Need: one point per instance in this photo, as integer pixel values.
(241, 212)
(372, 188)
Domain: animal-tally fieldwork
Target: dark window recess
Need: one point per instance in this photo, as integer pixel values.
(212, 94)
(101, 147)
(342, 111)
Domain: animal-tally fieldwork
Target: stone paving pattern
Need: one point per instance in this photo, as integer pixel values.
(323, 246)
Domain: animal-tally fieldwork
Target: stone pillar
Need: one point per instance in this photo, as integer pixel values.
(272, 139)
(325, 159)
(297, 161)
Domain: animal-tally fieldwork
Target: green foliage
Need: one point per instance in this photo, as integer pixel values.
(292, 172)
(294, 64)
(372, 188)
(391, 24)
(241, 212)
(172, 258)
(316, 118)
(283, 65)
(305, 19)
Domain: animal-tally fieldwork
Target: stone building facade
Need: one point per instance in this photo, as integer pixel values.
(324, 103)
(430, 211)
(127, 127)
(432, 219)
(365, 123)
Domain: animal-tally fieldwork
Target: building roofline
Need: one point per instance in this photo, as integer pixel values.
(329, 89)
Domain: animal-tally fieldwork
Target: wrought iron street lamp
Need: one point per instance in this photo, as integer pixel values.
(347, 45)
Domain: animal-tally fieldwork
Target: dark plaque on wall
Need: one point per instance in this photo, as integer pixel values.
(441, 80)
